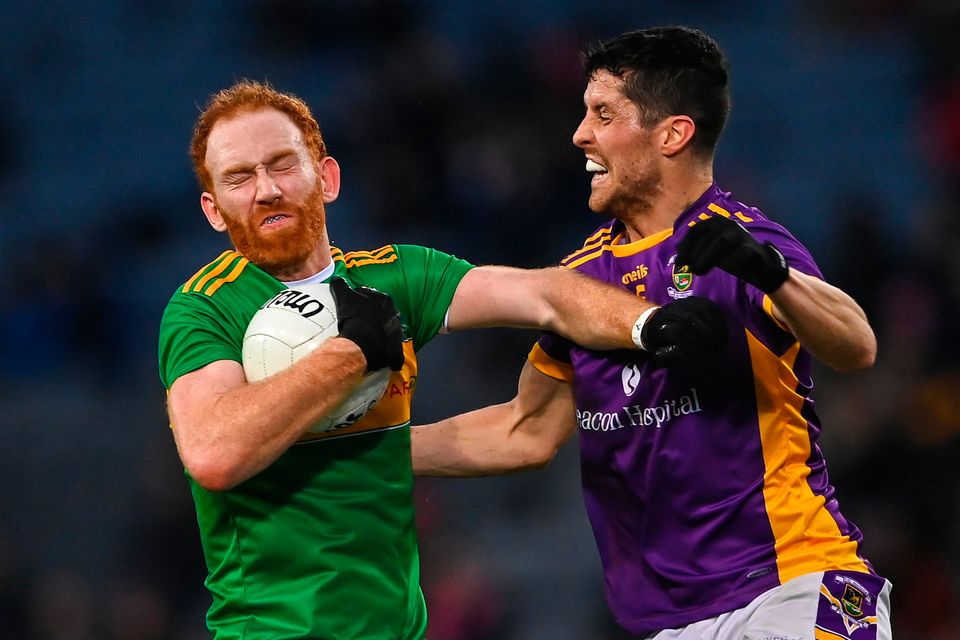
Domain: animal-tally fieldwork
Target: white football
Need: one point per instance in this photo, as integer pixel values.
(289, 326)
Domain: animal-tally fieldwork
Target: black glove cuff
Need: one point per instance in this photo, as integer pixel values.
(365, 337)
(776, 273)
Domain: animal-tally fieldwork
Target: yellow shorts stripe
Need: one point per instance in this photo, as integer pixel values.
(823, 634)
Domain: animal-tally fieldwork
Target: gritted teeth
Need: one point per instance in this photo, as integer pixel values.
(271, 219)
(594, 167)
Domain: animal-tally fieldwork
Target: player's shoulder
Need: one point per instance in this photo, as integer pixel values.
(405, 256)
(212, 276)
(215, 277)
(722, 203)
(359, 258)
(593, 245)
(725, 204)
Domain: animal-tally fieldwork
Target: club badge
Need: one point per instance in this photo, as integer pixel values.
(852, 601)
(682, 280)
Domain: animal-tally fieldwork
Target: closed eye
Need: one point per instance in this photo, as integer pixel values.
(285, 164)
(235, 179)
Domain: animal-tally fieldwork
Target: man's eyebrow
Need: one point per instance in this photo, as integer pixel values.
(597, 105)
(247, 168)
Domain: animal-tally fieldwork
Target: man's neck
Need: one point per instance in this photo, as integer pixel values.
(315, 263)
(666, 206)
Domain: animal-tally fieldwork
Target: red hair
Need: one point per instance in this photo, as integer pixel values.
(243, 97)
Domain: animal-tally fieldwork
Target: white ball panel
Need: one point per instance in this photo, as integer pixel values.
(291, 325)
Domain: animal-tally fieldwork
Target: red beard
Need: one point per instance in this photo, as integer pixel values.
(280, 249)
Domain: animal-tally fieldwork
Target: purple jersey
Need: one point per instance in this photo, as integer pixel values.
(704, 484)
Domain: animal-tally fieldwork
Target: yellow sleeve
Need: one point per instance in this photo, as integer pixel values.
(549, 366)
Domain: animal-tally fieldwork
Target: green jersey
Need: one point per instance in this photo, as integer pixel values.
(320, 544)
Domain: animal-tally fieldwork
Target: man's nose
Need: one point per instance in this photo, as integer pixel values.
(581, 136)
(267, 188)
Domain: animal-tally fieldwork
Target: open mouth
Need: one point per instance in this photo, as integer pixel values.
(274, 220)
(597, 169)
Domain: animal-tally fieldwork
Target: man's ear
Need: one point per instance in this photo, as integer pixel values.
(210, 210)
(677, 134)
(329, 171)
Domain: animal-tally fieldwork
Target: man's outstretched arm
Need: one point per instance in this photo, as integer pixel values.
(591, 313)
(524, 433)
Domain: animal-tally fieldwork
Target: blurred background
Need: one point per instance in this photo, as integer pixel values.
(452, 122)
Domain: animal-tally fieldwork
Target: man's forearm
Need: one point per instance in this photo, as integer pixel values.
(589, 312)
(524, 433)
(827, 322)
(468, 445)
(484, 442)
(228, 430)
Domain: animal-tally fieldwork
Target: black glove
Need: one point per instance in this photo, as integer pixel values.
(725, 243)
(368, 318)
(683, 330)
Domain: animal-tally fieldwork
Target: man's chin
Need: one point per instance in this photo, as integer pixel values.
(598, 204)
(272, 264)
(275, 256)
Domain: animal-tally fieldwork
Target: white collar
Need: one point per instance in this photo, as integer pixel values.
(316, 278)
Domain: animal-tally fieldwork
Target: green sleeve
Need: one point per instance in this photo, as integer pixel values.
(431, 278)
(192, 335)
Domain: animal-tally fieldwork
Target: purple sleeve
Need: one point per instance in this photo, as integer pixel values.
(555, 346)
(795, 253)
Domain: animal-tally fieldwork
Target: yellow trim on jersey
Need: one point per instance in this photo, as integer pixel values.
(336, 254)
(233, 275)
(216, 271)
(614, 245)
(589, 244)
(713, 206)
(374, 253)
(596, 235)
(806, 537)
(587, 258)
(717, 209)
(700, 217)
(391, 411)
(548, 366)
(383, 255)
(768, 309)
(193, 278)
(630, 248)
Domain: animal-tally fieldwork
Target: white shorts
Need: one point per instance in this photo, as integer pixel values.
(831, 605)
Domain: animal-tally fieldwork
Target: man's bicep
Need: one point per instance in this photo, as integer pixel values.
(494, 296)
(544, 406)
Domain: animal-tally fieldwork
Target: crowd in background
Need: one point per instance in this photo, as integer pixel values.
(452, 122)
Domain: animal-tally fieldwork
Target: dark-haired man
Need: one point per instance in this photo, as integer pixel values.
(707, 492)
